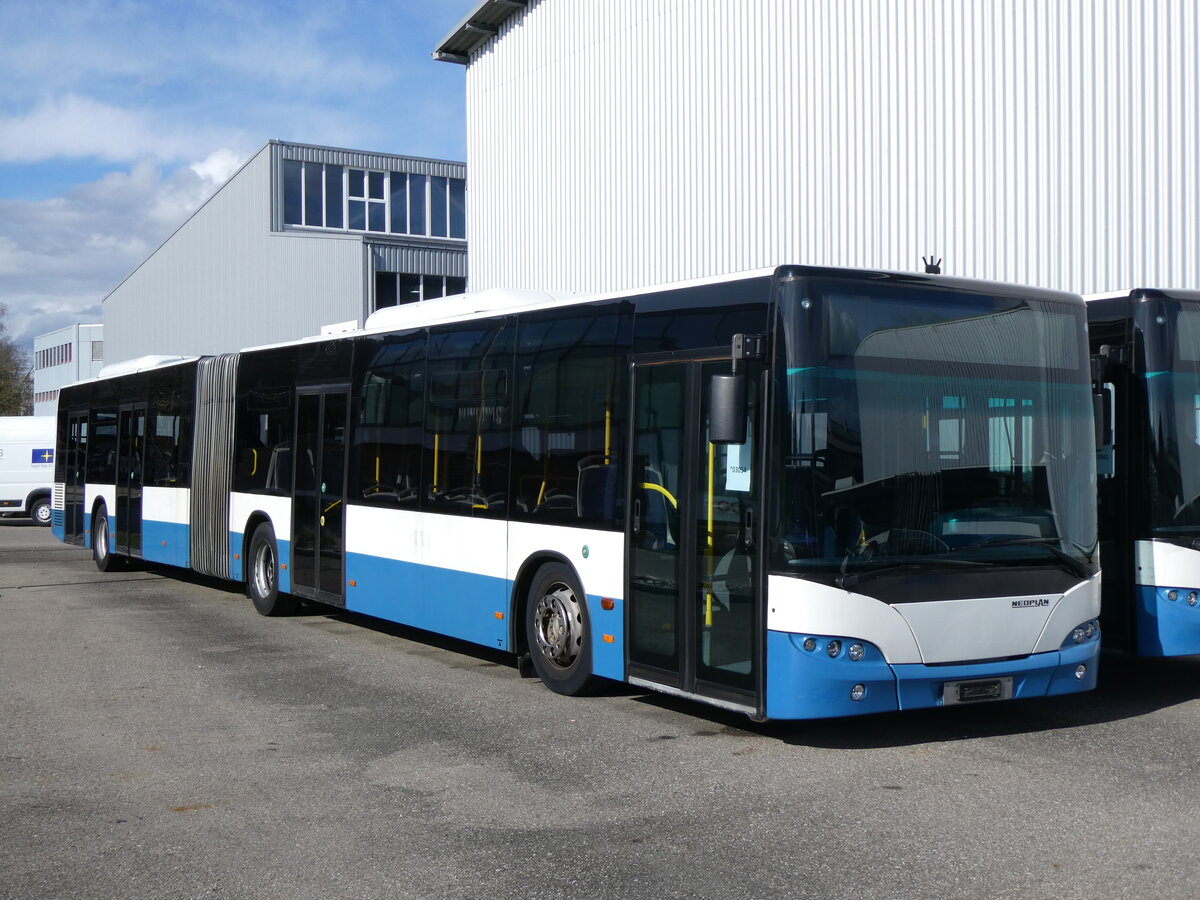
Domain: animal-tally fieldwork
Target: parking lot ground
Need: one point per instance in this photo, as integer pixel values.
(159, 739)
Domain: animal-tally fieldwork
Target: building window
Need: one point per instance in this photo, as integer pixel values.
(326, 196)
(53, 356)
(399, 288)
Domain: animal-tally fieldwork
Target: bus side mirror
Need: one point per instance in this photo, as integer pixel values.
(727, 409)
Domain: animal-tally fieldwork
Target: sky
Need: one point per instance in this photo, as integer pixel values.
(119, 118)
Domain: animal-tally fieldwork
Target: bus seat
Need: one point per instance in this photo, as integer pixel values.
(596, 493)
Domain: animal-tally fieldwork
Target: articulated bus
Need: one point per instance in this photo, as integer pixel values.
(1146, 357)
(793, 493)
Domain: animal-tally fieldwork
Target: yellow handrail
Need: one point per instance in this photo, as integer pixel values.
(662, 490)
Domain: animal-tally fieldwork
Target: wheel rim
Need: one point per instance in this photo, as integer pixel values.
(264, 570)
(558, 626)
(100, 544)
(42, 513)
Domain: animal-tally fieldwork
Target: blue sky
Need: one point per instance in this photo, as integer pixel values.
(118, 118)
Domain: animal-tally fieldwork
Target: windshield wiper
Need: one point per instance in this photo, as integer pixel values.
(1076, 567)
(846, 580)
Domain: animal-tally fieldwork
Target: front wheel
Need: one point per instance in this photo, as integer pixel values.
(558, 631)
(262, 587)
(40, 512)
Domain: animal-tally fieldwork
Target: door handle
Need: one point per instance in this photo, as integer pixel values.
(748, 529)
(637, 515)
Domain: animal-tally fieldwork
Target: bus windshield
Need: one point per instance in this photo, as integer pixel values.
(1171, 329)
(931, 428)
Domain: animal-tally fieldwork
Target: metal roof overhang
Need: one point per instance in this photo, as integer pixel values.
(481, 24)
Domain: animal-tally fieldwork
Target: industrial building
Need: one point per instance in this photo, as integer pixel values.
(63, 357)
(302, 238)
(618, 143)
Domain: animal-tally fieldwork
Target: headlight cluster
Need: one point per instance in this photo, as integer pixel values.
(1086, 631)
(838, 648)
(1191, 596)
(835, 647)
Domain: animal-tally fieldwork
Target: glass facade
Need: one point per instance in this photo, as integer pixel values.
(321, 195)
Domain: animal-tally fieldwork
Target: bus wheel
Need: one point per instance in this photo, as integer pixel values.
(101, 552)
(40, 511)
(262, 587)
(558, 632)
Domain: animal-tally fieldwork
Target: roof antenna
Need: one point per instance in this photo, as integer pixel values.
(932, 266)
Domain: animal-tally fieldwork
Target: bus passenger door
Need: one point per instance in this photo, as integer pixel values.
(694, 622)
(75, 469)
(131, 445)
(318, 507)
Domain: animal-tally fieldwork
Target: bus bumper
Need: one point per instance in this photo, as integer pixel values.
(811, 684)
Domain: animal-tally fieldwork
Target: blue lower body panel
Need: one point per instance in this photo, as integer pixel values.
(166, 542)
(457, 604)
(1167, 627)
(807, 684)
(608, 638)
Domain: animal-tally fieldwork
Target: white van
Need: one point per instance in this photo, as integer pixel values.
(27, 466)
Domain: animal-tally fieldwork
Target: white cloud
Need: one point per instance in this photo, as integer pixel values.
(73, 125)
(60, 257)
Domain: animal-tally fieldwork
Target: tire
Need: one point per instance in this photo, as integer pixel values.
(41, 512)
(262, 581)
(105, 559)
(558, 631)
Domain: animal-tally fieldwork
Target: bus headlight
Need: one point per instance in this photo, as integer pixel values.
(834, 648)
(855, 651)
(1192, 597)
(858, 692)
(1084, 632)
(1172, 595)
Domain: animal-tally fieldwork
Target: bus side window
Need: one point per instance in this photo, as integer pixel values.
(387, 437)
(265, 422)
(467, 419)
(566, 453)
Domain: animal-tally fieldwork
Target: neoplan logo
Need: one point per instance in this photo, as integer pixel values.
(1030, 603)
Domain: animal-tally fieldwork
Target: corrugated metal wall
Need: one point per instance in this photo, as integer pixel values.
(614, 143)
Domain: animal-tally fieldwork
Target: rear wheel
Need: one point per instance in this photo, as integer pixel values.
(40, 511)
(558, 631)
(262, 586)
(102, 553)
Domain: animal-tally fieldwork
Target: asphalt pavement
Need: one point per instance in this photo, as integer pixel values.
(159, 739)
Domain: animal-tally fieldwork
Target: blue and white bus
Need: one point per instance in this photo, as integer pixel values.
(1146, 350)
(793, 493)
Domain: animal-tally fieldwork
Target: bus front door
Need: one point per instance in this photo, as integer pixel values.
(694, 621)
(318, 508)
(131, 444)
(75, 469)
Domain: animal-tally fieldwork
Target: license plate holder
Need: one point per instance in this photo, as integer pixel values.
(977, 690)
